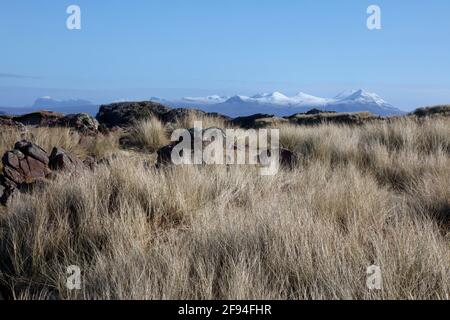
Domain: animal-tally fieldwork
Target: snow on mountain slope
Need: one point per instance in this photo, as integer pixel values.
(279, 99)
(281, 105)
(363, 101)
(364, 97)
(205, 100)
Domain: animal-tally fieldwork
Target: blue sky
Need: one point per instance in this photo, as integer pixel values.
(141, 48)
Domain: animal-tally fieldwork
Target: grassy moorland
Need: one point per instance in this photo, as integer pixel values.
(377, 193)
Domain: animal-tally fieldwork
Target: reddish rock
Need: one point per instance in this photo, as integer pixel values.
(32, 150)
(23, 166)
(37, 169)
(12, 159)
(63, 160)
(26, 163)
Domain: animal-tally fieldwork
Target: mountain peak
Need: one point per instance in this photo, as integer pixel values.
(51, 103)
(363, 95)
(280, 104)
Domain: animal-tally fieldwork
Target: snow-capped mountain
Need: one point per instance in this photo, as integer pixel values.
(363, 101)
(205, 100)
(281, 105)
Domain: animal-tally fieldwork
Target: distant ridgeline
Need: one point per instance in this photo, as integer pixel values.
(274, 103)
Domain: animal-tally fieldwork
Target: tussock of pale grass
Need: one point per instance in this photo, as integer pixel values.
(103, 146)
(148, 135)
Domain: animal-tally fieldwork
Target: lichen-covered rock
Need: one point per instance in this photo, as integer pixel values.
(82, 122)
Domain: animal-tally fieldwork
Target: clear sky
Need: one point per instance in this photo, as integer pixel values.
(171, 48)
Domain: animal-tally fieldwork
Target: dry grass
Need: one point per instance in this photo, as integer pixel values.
(147, 135)
(360, 195)
(47, 138)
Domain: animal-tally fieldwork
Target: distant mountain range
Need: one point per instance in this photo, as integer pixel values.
(271, 103)
(282, 105)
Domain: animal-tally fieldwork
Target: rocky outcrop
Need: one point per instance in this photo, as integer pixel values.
(287, 158)
(26, 163)
(81, 122)
(443, 110)
(127, 113)
(28, 167)
(164, 154)
(22, 166)
(328, 117)
(7, 121)
(39, 118)
(7, 190)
